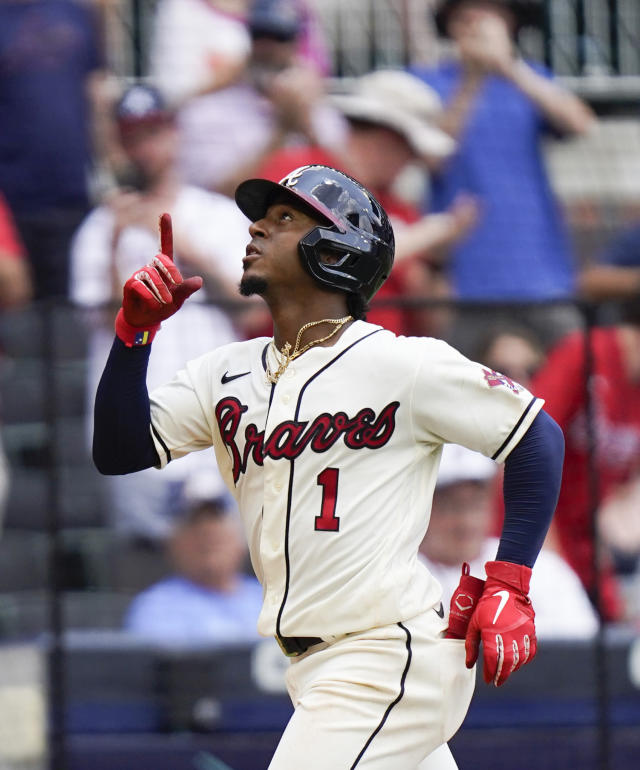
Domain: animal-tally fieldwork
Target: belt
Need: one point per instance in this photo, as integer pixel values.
(292, 646)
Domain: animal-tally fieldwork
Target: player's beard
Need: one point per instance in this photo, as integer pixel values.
(252, 285)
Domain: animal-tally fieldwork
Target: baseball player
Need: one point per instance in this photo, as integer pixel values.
(329, 436)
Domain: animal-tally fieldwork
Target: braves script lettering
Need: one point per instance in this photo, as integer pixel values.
(290, 438)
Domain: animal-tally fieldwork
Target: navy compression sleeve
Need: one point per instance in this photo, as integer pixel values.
(122, 440)
(532, 477)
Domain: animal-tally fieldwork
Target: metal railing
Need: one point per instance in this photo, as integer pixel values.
(594, 44)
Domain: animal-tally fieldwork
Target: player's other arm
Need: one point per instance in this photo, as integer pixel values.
(122, 441)
(532, 477)
(504, 618)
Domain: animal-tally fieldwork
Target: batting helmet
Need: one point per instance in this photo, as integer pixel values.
(357, 228)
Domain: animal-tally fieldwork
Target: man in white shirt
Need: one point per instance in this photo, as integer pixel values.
(110, 243)
(459, 529)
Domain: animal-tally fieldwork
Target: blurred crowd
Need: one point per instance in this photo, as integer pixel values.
(485, 259)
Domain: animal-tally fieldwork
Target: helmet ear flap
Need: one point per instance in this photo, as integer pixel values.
(359, 268)
(312, 249)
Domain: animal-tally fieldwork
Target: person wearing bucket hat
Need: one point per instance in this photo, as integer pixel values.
(402, 103)
(500, 108)
(392, 122)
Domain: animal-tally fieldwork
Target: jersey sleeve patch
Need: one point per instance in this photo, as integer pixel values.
(495, 380)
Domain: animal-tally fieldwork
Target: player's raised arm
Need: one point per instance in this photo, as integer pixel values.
(122, 440)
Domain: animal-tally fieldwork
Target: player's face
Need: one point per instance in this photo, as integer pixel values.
(272, 259)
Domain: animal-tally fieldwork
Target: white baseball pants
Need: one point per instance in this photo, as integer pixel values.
(383, 699)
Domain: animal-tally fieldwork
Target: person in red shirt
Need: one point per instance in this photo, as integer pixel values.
(15, 282)
(613, 355)
(15, 291)
(391, 118)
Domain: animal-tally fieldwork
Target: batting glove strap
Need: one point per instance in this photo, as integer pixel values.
(463, 603)
(504, 622)
(134, 336)
(516, 576)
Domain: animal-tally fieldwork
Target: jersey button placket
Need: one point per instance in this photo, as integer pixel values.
(276, 473)
(276, 486)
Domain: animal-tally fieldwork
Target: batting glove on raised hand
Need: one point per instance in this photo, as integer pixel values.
(503, 621)
(153, 293)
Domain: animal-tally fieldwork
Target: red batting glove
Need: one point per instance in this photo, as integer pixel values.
(504, 621)
(463, 603)
(153, 293)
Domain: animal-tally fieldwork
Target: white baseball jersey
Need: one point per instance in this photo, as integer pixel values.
(333, 467)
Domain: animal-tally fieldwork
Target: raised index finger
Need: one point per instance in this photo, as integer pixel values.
(166, 235)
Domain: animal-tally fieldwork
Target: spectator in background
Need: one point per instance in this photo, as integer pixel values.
(611, 356)
(615, 276)
(15, 291)
(499, 108)
(15, 282)
(513, 350)
(115, 239)
(391, 119)
(209, 599)
(613, 282)
(459, 527)
(311, 47)
(198, 47)
(242, 88)
(51, 78)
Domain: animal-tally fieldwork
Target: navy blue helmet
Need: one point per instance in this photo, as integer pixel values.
(356, 229)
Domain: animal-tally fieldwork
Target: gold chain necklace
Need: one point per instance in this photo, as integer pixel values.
(288, 355)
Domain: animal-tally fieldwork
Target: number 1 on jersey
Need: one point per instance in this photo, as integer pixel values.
(328, 521)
